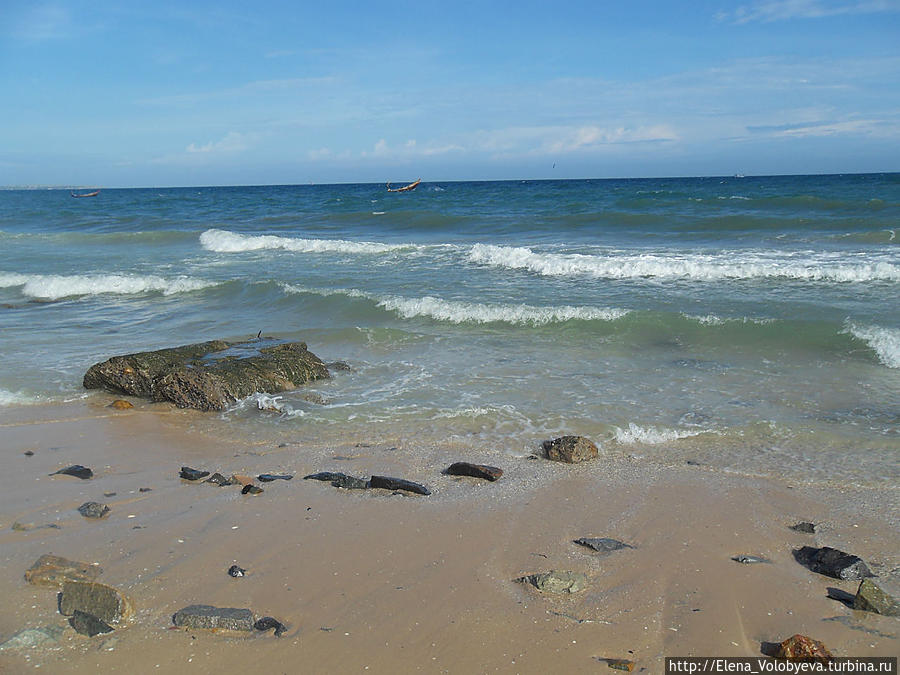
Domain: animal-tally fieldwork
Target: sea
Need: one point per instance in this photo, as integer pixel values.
(745, 324)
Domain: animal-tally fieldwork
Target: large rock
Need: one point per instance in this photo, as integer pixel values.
(570, 449)
(832, 562)
(54, 570)
(879, 596)
(209, 375)
(104, 602)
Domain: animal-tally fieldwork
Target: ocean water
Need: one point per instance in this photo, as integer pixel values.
(748, 324)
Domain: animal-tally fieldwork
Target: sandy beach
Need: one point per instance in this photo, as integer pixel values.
(370, 581)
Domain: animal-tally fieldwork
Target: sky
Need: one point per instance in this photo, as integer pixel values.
(125, 94)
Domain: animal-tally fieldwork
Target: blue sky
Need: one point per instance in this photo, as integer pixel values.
(225, 93)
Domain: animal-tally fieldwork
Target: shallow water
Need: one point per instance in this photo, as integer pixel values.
(749, 324)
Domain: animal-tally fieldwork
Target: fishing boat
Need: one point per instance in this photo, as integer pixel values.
(85, 194)
(405, 188)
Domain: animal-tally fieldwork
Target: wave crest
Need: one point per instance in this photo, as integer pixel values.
(693, 266)
(223, 241)
(885, 342)
(57, 286)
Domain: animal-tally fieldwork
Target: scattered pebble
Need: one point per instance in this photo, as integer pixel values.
(76, 470)
(235, 571)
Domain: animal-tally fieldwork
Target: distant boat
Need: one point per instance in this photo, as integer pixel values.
(85, 194)
(405, 188)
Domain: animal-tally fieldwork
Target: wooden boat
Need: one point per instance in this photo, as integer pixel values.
(86, 194)
(405, 188)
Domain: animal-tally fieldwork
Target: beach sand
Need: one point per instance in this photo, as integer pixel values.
(369, 581)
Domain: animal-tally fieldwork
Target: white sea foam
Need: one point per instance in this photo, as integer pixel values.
(885, 342)
(694, 266)
(714, 320)
(454, 311)
(223, 241)
(476, 312)
(651, 435)
(56, 286)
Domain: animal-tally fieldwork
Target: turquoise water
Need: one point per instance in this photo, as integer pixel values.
(750, 323)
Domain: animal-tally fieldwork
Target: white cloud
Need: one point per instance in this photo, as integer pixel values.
(784, 10)
(232, 142)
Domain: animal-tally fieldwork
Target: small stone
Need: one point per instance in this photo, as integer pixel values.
(192, 474)
(603, 545)
(484, 471)
(211, 618)
(88, 624)
(235, 571)
(29, 453)
(19, 527)
(832, 562)
(804, 527)
(93, 510)
(620, 664)
(251, 490)
(877, 596)
(145, 489)
(121, 404)
(267, 623)
(802, 647)
(104, 602)
(241, 479)
(76, 470)
(109, 494)
(219, 479)
(388, 483)
(556, 581)
(269, 477)
(750, 559)
(570, 449)
(53, 570)
(340, 365)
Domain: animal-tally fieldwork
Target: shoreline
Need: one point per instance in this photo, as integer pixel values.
(391, 583)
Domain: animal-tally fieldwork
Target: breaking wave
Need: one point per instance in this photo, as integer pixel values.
(57, 286)
(223, 241)
(885, 342)
(694, 266)
(651, 435)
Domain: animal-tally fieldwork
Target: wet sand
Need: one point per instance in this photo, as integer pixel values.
(369, 581)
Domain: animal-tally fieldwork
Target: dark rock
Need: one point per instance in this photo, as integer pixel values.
(832, 562)
(879, 596)
(218, 479)
(620, 664)
(251, 490)
(88, 624)
(145, 489)
(484, 471)
(76, 470)
(802, 647)
(210, 618)
(93, 510)
(104, 602)
(268, 622)
(556, 581)
(269, 477)
(602, 544)
(235, 571)
(750, 559)
(109, 494)
(192, 474)
(52, 570)
(804, 527)
(340, 480)
(209, 375)
(388, 483)
(340, 365)
(570, 449)
(29, 453)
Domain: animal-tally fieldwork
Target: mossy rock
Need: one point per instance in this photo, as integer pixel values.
(209, 375)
